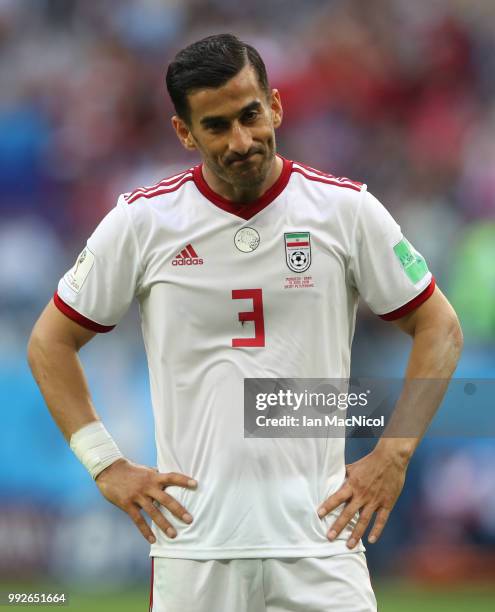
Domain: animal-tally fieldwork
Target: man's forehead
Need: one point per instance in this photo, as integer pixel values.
(229, 99)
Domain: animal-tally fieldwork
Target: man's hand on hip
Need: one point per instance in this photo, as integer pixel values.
(133, 488)
(372, 484)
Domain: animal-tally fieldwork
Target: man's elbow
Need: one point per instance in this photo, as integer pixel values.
(442, 341)
(34, 349)
(439, 320)
(456, 335)
(40, 344)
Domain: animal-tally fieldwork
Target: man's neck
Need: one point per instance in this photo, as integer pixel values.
(228, 191)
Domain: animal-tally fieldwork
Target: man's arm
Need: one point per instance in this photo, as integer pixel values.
(53, 358)
(374, 483)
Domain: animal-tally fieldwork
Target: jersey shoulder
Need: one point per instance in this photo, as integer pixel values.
(169, 184)
(323, 178)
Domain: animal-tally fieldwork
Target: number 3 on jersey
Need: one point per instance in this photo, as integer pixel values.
(255, 315)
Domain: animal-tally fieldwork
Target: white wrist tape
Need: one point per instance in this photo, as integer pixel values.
(94, 447)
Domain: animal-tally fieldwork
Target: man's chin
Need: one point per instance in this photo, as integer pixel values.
(256, 171)
(248, 178)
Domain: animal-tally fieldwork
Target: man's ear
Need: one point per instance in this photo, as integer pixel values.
(276, 108)
(183, 133)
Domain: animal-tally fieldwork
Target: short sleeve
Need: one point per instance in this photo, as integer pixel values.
(97, 291)
(390, 275)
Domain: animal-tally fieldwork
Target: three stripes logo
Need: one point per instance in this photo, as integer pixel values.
(187, 257)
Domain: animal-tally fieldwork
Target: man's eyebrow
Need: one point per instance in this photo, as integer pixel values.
(215, 119)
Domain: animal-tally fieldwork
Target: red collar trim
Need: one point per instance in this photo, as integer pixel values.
(245, 211)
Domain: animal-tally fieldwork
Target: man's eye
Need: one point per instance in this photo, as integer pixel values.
(217, 127)
(251, 115)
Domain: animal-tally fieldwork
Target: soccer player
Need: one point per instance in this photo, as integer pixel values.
(246, 265)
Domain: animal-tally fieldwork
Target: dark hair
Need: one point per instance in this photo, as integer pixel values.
(210, 62)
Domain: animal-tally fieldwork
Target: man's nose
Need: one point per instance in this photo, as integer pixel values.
(240, 139)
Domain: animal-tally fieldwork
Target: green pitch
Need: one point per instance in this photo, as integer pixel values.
(392, 597)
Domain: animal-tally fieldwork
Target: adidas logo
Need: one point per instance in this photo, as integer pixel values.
(187, 257)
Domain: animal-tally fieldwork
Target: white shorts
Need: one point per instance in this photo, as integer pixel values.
(340, 583)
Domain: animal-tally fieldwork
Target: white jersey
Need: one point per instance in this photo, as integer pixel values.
(228, 292)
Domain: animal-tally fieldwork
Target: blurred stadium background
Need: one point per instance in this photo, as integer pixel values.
(395, 93)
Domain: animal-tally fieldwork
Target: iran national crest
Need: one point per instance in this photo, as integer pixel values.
(298, 251)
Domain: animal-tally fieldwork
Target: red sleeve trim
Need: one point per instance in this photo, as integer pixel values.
(412, 305)
(68, 311)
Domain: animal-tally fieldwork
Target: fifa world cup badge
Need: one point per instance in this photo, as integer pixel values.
(76, 276)
(298, 251)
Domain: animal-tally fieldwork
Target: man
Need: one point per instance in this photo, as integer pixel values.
(247, 265)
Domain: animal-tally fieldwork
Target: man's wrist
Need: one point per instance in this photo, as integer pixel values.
(399, 449)
(95, 448)
(101, 475)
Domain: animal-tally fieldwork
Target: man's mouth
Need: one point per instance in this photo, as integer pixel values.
(244, 160)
